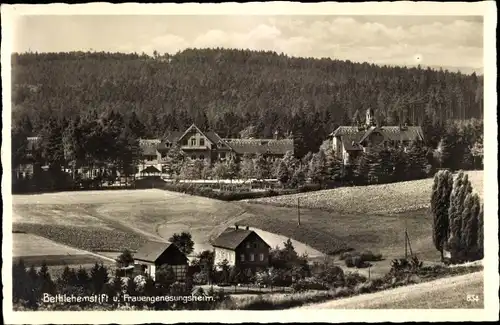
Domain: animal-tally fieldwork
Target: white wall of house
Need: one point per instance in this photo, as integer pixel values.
(222, 254)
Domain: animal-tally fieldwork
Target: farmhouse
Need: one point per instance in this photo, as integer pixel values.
(242, 248)
(349, 141)
(154, 254)
(197, 144)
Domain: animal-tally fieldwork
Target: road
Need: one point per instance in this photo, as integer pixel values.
(438, 294)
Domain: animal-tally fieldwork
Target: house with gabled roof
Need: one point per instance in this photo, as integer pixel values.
(242, 248)
(349, 141)
(154, 254)
(199, 144)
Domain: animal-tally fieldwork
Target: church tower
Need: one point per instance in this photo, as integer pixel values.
(370, 118)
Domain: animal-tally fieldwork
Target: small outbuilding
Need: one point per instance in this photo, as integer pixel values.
(150, 257)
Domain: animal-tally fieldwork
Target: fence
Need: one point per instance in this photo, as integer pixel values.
(248, 289)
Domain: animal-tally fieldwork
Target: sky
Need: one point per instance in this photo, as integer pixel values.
(453, 42)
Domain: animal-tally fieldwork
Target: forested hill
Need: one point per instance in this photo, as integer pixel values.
(230, 90)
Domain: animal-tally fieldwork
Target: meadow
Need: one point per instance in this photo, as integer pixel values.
(332, 221)
(373, 199)
(448, 292)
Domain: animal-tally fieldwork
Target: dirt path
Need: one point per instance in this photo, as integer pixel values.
(426, 295)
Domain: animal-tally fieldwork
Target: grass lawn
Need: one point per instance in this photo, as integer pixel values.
(331, 232)
(449, 292)
(119, 219)
(89, 238)
(58, 260)
(385, 198)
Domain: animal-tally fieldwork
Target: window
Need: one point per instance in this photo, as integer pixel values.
(261, 257)
(255, 245)
(202, 142)
(252, 258)
(222, 155)
(242, 257)
(202, 157)
(193, 142)
(193, 157)
(248, 245)
(185, 142)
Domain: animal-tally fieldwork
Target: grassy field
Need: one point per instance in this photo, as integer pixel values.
(358, 218)
(35, 250)
(373, 199)
(438, 294)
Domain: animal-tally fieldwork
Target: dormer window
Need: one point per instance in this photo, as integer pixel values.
(202, 142)
(193, 142)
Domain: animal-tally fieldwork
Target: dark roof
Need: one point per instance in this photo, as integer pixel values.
(352, 136)
(231, 238)
(351, 141)
(213, 137)
(173, 136)
(344, 130)
(150, 170)
(254, 146)
(151, 251)
(408, 133)
(148, 150)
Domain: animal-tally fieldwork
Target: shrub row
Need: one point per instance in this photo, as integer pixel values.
(236, 194)
(360, 260)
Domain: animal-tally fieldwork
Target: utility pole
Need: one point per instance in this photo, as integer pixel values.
(406, 240)
(298, 210)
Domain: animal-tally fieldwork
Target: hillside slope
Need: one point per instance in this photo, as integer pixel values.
(373, 199)
(438, 294)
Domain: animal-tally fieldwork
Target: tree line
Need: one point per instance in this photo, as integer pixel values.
(458, 225)
(229, 90)
(110, 143)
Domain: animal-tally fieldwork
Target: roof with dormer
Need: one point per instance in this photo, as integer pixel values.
(353, 136)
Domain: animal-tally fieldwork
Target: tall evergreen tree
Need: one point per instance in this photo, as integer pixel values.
(480, 232)
(440, 201)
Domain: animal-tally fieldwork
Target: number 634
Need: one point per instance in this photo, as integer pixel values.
(472, 298)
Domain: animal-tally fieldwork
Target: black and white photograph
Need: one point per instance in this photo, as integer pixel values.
(214, 158)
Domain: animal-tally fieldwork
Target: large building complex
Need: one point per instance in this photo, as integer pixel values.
(209, 146)
(349, 141)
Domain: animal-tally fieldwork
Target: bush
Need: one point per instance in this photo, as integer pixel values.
(353, 279)
(345, 255)
(369, 256)
(365, 287)
(308, 284)
(360, 260)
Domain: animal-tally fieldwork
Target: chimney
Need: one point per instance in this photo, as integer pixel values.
(276, 135)
(236, 226)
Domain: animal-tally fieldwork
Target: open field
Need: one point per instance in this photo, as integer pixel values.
(438, 294)
(375, 199)
(363, 218)
(35, 250)
(107, 221)
(330, 232)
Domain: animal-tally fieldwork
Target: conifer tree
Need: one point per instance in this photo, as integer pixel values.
(283, 174)
(480, 232)
(440, 201)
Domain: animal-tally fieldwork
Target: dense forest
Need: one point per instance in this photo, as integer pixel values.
(229, 91)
